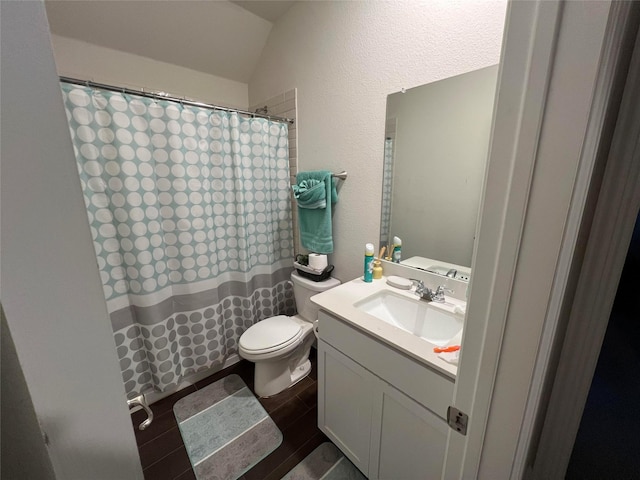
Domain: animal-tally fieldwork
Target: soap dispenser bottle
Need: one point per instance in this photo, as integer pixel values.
(397, 249)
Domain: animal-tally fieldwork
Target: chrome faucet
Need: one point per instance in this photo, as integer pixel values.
(425, 293)
(439, 295)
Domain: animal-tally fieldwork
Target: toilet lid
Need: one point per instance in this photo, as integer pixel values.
(270, 333)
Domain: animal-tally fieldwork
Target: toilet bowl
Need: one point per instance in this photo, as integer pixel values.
(280, 345)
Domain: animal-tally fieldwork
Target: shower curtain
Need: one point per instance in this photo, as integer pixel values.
(190, 215)
(387, 192)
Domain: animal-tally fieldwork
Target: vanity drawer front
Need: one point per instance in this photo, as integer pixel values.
(416, 380)
(346, 392)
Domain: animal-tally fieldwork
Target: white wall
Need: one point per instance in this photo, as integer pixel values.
(441, 148)
(344, 58)
(86, 61)
(215, 37)
(52, 294)
(24, 454)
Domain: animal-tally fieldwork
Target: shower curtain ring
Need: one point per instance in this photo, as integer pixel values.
(94, 90)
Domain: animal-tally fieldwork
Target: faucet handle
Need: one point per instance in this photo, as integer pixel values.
(441, 289)
(421, 289)
(439, 293)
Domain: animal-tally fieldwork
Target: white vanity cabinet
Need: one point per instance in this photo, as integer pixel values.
(387, 418)
(409, 440)
(346, 397)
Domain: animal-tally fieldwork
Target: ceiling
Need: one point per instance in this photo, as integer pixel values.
(270, 10)
(218, 37)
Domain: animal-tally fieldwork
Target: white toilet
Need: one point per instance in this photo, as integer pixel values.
(280, 345)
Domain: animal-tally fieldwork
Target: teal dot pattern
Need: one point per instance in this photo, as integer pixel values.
(178, 194)
(387, 192)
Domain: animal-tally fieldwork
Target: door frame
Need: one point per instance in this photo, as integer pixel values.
(523, 79)
(614, 218)
(501, 333)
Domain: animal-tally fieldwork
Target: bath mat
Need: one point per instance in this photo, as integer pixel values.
(326, 462)
(225, 429)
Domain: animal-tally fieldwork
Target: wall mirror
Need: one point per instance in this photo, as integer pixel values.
(436, 146)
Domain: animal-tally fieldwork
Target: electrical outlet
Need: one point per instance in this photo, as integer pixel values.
(462, 276)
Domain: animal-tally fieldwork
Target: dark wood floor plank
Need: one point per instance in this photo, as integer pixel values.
(160, 447)
(310, 395)
(160, 424)
(189, 475)
(294, 437)
(288, 413)
(294, 411)
(299, 455)
(271, 403)
(166, 404)
(170, 467)
(314, 365)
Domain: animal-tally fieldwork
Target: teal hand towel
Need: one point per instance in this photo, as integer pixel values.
(310, 193)
(315, 193)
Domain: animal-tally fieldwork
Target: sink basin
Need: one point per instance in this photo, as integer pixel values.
(414, 316)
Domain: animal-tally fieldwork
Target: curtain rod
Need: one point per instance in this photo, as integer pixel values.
(162, 96)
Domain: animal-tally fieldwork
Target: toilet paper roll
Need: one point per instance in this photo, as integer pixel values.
(318, 261)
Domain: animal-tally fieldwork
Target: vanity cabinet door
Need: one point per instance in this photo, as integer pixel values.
(345, 404)
(408, 441)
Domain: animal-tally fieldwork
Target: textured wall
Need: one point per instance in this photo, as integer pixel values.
(216, 37)
(105, 65)
(344, 58)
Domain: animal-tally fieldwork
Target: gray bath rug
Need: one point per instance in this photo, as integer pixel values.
(326, 462)
(225, 429)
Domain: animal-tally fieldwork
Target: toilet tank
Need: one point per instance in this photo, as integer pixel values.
(304, 289)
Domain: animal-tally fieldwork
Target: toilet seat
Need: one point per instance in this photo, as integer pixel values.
(270, 335)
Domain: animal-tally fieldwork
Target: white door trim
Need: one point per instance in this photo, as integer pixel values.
(610, 63)
(525, 70)
(611, 230)
(546, 131)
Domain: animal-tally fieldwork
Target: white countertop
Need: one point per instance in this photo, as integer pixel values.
(340, 301)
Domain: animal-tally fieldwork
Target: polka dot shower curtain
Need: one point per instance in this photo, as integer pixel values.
(387, 192)
(190, 215)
